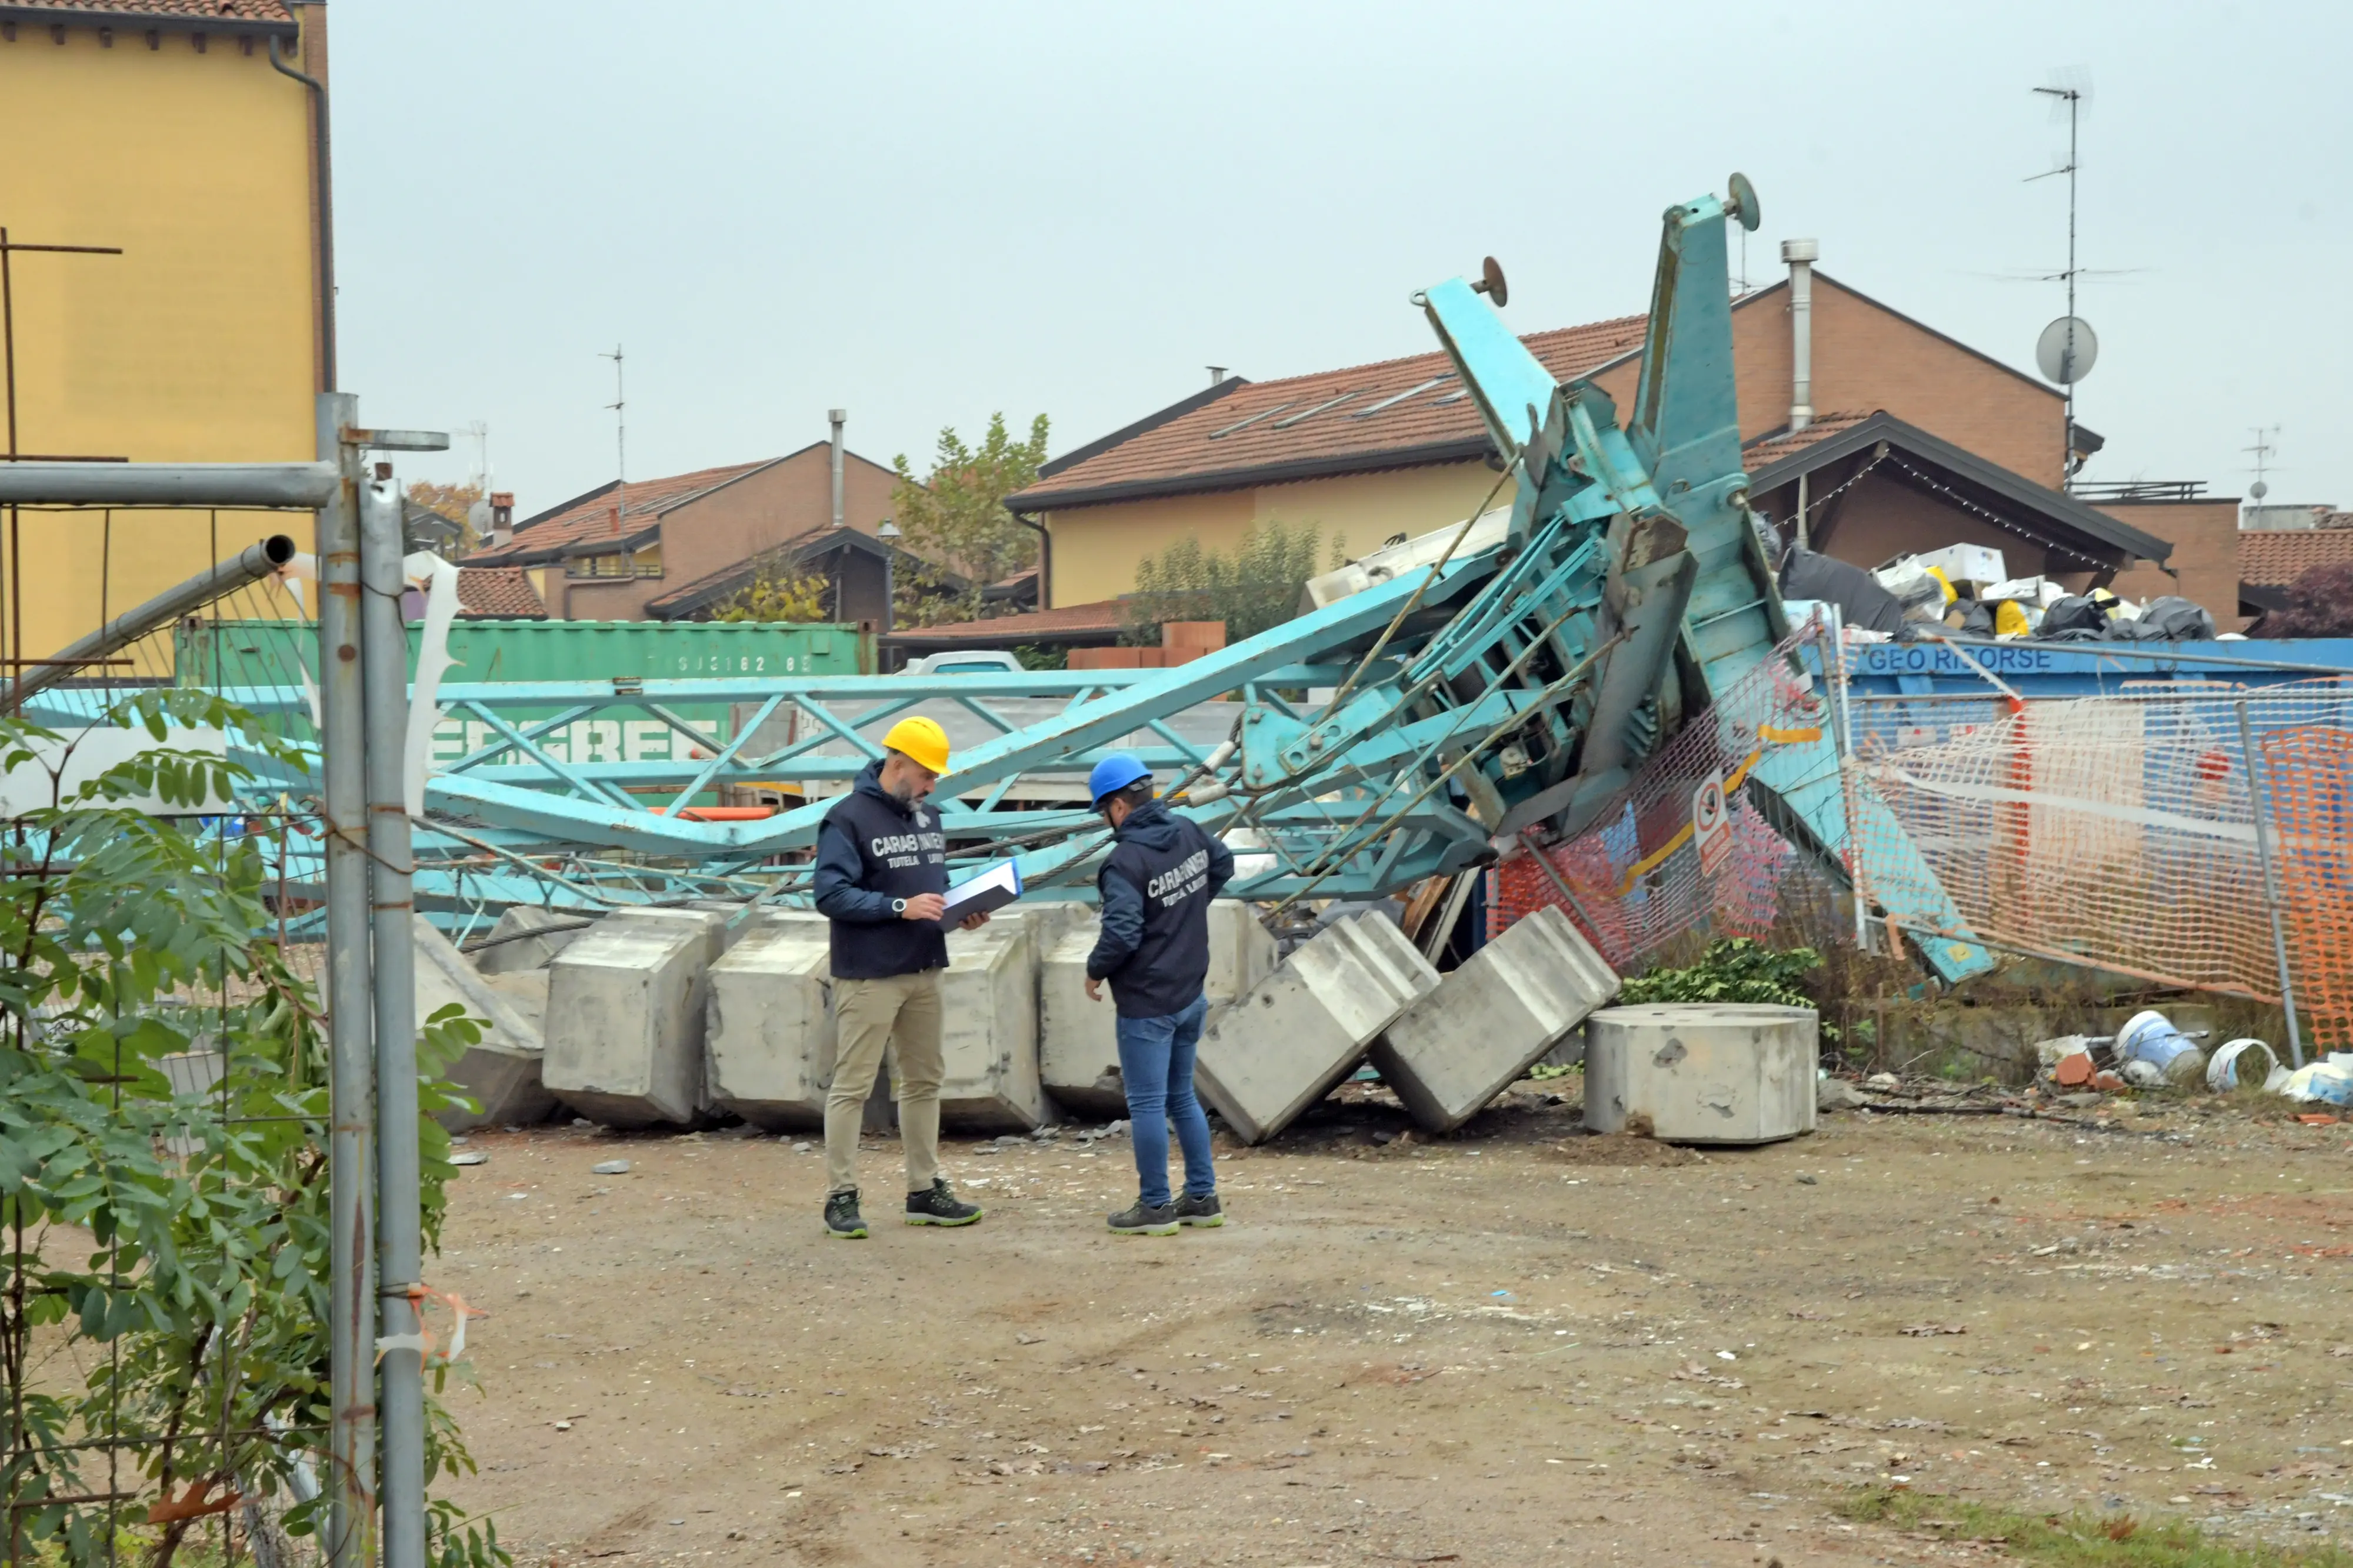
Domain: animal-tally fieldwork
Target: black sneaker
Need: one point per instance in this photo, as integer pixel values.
(1143, 1220)
(937, 1206)
(842, 1218)
(1204, 1211)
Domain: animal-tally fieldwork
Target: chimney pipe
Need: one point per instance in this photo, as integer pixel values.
(502, 517)
(1801, 254)
(837, 416)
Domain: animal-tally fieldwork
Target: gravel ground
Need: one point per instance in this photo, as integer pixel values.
(1518, 1346)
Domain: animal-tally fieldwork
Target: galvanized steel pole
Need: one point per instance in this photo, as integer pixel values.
(350, 1142)
(2259, 808)
(399, 1241)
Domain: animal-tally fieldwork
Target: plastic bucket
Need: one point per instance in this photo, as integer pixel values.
(2225, 1071)
(2152, 1038)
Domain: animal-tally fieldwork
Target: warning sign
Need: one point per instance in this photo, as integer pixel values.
(1711, 823)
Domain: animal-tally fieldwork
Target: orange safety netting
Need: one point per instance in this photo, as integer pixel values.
(2120, 831)
(2309, 771)
(1658, 861)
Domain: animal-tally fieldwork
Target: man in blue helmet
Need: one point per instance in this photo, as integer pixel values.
(1155, 949)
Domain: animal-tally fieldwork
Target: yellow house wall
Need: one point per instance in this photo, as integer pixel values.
(194, 345)
(1097, 548)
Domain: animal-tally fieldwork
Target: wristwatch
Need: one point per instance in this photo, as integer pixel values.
(899, 906)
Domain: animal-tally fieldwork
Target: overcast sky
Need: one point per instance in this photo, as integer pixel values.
(925, 214)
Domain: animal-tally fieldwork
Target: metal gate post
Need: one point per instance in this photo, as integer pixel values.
(399, 1244)
(2260, 809)
(351, 1439)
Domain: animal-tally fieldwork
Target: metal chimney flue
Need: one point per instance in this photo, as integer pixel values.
(1800, 255)
(838, 417)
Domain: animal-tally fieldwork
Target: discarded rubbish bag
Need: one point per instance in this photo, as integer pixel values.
(2224, 1072)
(2325, 1082)
(2152, 1038)
(2168, 619)
(1858, 595)
(1969, 617)
(2075, 619)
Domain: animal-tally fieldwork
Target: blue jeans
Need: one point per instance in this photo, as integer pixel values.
(1155, 1063)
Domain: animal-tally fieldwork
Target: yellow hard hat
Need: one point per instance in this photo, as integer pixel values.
(920, 739)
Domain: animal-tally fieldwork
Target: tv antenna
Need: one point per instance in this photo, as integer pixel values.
(2068, 347)
(2264, 449)
(619, 406)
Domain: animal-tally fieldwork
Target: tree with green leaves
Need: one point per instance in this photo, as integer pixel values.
(955, 519)
(195, 1331)
(792, 597)
(452, 503)
(1256, 587)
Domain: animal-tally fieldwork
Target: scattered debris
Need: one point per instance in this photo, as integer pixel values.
(1836, 1094)
(469, 1157)
(609, 1168)
(1928, 1330)
(2329, 1082)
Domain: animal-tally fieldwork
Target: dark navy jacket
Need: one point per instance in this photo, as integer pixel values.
(871, 850)
(1156, 887)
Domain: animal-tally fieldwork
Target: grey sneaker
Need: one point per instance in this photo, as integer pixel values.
(1140, 1220)
(1204, 1211)
(842, 1218)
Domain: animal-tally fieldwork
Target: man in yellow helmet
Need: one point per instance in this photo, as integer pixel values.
(881, 879)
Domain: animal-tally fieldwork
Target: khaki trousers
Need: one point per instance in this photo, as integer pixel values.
(903, 1013)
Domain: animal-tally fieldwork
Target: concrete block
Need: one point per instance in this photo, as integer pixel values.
(626, 1016)
(502, 1072)
(1078, 1044)
(550, 933)
(1703, 1072)
(769, 1022)
(989, 1007)
(1491, 1020)
(1302, 1029)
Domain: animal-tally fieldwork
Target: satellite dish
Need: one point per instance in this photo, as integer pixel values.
(2258, 490)
(1490, 282)
(1743, 205)
(2066, 351)
(478, 516)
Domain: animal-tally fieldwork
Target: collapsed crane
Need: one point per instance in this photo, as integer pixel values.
(1498, 680)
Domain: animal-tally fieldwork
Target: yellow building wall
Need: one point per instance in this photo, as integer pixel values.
(196, 343)
(1097, 548)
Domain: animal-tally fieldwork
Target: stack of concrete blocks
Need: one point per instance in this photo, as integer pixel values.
(1489, 1021)
(1078, 1041)
(626, 1016)
(502, 1072)
(1304, 1028)
(769, 1026)
(989, 1021)
(534, 938)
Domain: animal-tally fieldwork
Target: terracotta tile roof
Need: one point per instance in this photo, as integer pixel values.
(498, 593)
(2278, 558)
(589, 518)
(1775, 445)
(1393, 413)
(226, 11)
(1064, 623)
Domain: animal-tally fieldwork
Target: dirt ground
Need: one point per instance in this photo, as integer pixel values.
(1518, 1345)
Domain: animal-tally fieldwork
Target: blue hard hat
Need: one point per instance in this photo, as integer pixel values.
(1114, 774)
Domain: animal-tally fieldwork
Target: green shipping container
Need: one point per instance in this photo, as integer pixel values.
(276, 653)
